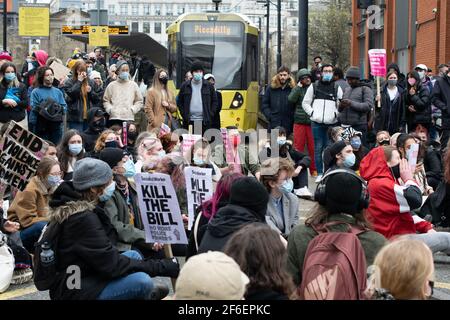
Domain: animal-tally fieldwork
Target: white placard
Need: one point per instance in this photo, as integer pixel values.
(412, 155)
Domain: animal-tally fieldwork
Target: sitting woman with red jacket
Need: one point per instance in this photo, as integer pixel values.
(391, 203)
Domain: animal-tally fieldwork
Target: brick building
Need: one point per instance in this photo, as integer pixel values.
(411, 31)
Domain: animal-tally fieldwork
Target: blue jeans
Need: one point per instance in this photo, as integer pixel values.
(320, 133)
(30, 235)
(79, 126)
(135, 286)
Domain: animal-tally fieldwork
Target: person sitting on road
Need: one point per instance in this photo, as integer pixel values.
(393, 277)
(342, 156)
(70, 150)
(263, 261)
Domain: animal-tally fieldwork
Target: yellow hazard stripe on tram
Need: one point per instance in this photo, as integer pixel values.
(11, 294)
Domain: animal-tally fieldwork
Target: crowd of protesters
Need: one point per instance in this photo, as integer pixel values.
(380, 161)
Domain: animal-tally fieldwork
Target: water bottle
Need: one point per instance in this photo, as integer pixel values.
(47, 255)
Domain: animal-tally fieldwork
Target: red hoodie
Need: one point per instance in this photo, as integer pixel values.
(389, 210)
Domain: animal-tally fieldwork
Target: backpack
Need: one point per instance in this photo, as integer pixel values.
(333, 96)
(51, 111)
(335, 266)
(46, 274)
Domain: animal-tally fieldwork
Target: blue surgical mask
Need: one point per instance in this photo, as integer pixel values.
(287, 186)
(124, 75)
(75, 148)
(130, 169)
(356, 143)
(53, 181)
(108, 192)
(350, 160)
(198, 76)
(327, 77)
(10, 76)
(89, 70)
(281, 141)
(161, 153)
(198, 161)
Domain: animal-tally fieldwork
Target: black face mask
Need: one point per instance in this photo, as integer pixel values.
(99, 125)
(384, 143)
(396, 171)
(132, 137)
(111, 144)
(164, 80)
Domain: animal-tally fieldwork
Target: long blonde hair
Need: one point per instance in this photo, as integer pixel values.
(402, 268)
(160, 89)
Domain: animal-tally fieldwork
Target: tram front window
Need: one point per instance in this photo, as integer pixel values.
(219, 46)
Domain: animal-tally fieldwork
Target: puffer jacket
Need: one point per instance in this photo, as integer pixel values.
(361, 98)
(421, 102)
(322, 106)
(441, 99)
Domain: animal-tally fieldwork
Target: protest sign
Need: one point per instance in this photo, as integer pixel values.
(199, 188)
(59, 70)
(412, 153)
(160, 211)
(378, 59)
(188, 141)
(21, 152)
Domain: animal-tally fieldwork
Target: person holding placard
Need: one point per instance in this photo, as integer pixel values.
(200, 156)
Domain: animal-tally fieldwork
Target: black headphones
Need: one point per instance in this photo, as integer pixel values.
(321, 195)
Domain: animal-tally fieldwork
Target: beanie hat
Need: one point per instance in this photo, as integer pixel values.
(211, 276)
(111, 156)
(249, 193)
(89, 172)
(303, 73)
(4, 55)
(119, 64)
(343, 192)
(197, 65)
(335, 149)
(353, 72)
(95, 74)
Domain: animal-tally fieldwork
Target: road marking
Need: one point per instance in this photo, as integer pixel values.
(442, 285)
(17, 293)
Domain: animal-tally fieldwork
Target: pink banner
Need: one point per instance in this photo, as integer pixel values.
(378, 58)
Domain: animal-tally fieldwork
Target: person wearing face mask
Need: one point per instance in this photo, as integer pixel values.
(107, 139)
(392, 203)
(356, 104)
(43, 93)
(276, 106)
(235, 156)
(353, 138)
(441, 100)
(391, 115)
(160, 102)
(383, 138)
(342, 156)
(30, 206)
(89, 242)
(282, 209)
(418, 106)
(96, 125)
(149, 152)
(197, 100)
(321, 103)
(422, 70)
(69, 151)
(200, 156)
(122, 99)
(38, 59)
(82, 94)
(13, 96)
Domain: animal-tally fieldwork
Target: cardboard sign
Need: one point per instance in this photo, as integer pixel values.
(59, 70)
(99, 36)
(160, 211)
(199, 188)
(378, 58)
(21, 153)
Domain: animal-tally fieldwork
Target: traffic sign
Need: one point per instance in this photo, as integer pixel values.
(34, 20)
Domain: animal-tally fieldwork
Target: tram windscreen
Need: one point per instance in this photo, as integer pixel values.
(219, 45)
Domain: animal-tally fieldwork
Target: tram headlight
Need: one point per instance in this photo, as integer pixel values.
(237, 102)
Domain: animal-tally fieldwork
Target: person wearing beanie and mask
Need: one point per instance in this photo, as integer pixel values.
(160, 102)
(321, 103)
(418, 103)
(13, 97)
(391, 115)
(302, 123)
(248, 203)
(122, 99)
(211, 276)
(282, 209)
(243, 162)
(30, 206)
(340, 207)
(69, 151)
(356, 103)
(392, 203)
(122, 208)
(87, 239)
(96, 125)
(197, 99)
(341, 156)
(353, 138)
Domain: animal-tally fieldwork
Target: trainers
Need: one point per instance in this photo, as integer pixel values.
(303, 193)
(21, 276)
(319, 178)
(159, 292)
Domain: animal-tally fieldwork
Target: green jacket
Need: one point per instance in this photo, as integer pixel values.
(117, 210)
(249, 162)
(300, 237)
(296, 97)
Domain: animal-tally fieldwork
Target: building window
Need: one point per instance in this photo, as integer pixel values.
(111, 8)
(146, 9)
(169, 9)
(158, 27)
(135, 27)
(123, 9)
(204, 7)
(146, 27)
(157, 9)
(168, 25)
(135, 9)
(180, 9)
(192, 8)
